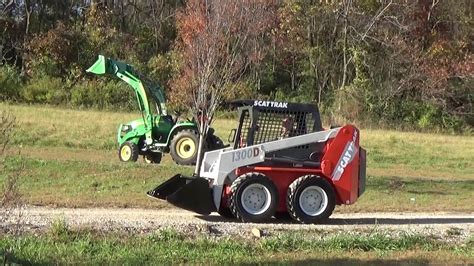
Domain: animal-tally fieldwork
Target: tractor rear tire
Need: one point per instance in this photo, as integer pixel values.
(128, 152)
(184, 147)
(310, 199)
(254, 198)
(152, 157)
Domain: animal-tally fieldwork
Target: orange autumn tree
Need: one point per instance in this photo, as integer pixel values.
(218, 41)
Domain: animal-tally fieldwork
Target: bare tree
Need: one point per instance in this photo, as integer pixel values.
(217, 39)
(7, 126)
(10, 197)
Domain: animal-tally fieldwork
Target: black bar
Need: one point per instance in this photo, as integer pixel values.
(293, 161)
(362, 170)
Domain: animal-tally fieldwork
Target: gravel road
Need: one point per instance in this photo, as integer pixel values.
(461, 225)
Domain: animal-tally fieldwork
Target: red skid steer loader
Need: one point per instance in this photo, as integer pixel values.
(282, 163)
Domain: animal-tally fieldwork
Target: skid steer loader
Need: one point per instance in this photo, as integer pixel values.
(155, 132)
(282, 162)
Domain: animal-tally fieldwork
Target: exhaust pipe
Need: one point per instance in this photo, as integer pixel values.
(189, 193)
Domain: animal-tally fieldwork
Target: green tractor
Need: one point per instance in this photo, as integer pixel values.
(156, 132)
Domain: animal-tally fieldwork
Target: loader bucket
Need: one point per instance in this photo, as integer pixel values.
(99, 67)
(189, 193)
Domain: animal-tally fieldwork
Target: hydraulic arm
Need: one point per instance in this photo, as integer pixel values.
(126, 73)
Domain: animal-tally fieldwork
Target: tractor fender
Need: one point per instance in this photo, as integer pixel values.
(178, 127)
(132, 136)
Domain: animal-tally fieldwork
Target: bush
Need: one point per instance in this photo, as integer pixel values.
(59, 230)
(10, 83)
(45, 89)
(349, 105)
(103, 95)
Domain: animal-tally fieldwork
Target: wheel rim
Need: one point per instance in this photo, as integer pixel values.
(255, 199)
(126, 153)
(185, 148)
(148, 159)
(313, 200)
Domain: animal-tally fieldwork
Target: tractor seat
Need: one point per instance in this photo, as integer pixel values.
(168, 118)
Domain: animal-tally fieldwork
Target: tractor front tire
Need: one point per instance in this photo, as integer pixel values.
(310, 199)
(128, 152)
(254, 198)
(184, 147)
(152, 157)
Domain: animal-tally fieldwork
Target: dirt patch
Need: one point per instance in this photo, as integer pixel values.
(450, 226)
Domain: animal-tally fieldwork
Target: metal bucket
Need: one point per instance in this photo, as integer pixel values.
(189, 193)
(99, 67)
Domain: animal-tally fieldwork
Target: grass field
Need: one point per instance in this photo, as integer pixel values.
(64, 246)
(68, 158)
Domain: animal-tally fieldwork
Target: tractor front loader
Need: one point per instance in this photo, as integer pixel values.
(155, 132)
(282, 163)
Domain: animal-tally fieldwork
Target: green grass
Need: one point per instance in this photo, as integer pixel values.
(62, 245)
(422, 154)
(54, 127)
(418, 154)
(68, 158)
(114, 184)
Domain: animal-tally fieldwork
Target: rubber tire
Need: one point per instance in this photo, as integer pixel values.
(152, 157)
(293, 194)
(134, 151)
(226, 213)
(238, 187)
(174, 155)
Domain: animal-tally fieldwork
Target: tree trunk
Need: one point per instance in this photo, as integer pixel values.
(202, 138)
(347, 6)
(28, 16)
(344, 51)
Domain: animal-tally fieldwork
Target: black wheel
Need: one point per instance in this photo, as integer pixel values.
(128, 152)
(226, 213)
(152, 157)
(184, 147)
(310, 199)
(254, 198)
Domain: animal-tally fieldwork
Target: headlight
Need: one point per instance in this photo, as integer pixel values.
(126, 128)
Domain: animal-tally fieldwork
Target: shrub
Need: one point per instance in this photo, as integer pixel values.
(103, 95)
(10, 83)
(55, 51)
(59, 230)
(45, 89)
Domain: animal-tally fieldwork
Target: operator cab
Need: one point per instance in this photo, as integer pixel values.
(265, 121)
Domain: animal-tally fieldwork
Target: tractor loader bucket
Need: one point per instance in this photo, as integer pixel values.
(189, 193)
(99, 67)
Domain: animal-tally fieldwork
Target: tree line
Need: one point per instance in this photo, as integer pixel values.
(380, 62)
